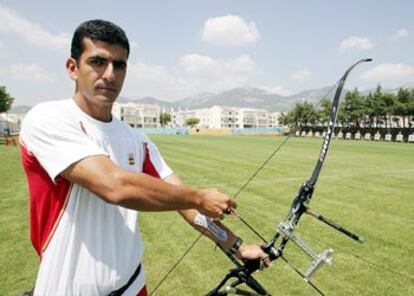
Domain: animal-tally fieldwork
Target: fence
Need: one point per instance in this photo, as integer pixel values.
(164, 131)
(360, 135)
(213, 131)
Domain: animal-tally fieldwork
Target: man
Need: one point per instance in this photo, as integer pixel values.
(89, 174)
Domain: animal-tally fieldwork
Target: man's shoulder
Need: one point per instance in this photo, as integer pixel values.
(47, 114)
(50, 107)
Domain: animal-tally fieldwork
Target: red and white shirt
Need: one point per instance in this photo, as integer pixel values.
(87, 246)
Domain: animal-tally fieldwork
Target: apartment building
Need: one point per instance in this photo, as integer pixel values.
(147, 116)
(227, 117)
(138, 115)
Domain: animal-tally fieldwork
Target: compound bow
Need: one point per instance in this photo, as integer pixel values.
(285, 230)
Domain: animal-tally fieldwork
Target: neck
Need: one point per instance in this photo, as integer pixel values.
(99, 111)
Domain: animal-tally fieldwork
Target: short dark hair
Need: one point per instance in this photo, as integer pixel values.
(97, 30)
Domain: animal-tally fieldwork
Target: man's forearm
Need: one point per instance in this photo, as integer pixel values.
(190, 216)
(142, 192)
(156, 195)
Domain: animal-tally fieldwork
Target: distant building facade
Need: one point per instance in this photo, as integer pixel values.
(227, 117)
(138, 115)
(10, 123)
(148, 116)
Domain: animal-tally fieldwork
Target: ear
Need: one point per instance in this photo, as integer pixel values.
(72, 68)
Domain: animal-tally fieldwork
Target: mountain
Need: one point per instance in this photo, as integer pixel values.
(314, 95)
(242, 97)
(22, 109)
(149, 100)
(238, 97)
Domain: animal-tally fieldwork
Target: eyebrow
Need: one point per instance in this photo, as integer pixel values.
(100, 58)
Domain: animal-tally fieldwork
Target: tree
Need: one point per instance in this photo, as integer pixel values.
(325, 111)
(6, 100)
(389, 102)
(402, 104)
(342, 116)
(284, 119)
(353, 107)
(379, 110)
(165, 118)
(373, 110)
(302, 114)
(371, 106)
(192, 121)
(410, 107)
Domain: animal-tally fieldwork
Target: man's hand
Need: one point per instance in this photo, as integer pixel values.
(251, 252)
(215, 204)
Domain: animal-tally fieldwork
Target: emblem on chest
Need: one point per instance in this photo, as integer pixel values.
(131, 158)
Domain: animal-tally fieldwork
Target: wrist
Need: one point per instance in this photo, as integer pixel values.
(235, 249)
(197, 199)
(189, 197)
(241, 251)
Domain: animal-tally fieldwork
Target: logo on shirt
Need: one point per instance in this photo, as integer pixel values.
(131, 158)
(82, 127)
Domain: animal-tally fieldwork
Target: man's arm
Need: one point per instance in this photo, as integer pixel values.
(245, 251)
(141, 192)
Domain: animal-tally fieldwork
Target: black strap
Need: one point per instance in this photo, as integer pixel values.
(129, 283)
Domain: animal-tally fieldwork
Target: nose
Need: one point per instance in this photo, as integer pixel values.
(109, 73)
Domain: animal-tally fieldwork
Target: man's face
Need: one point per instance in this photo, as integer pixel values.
(100, 71)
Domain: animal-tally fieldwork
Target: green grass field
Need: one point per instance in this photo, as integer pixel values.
(366, 186)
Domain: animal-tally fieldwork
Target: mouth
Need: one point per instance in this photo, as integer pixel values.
(106, 88)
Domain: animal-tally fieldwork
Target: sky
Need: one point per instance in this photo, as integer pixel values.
(180, 48)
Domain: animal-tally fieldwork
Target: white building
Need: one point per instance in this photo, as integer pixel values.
(10, 123)
(148, 115)
(273, 119)
(178, 118)
(138, 115)
(227, 117)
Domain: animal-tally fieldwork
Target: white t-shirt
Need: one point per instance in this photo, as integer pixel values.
(87, 246)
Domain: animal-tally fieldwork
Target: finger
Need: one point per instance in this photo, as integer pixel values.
(221, 216)
(266, 262)
(231, 212)
(232, 203)
(213, 215)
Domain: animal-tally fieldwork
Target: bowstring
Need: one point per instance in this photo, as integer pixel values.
(270, 157)
(239, 191)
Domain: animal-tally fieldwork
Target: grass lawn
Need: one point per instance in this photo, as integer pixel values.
(366, 186)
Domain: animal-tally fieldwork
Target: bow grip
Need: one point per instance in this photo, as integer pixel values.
(258, 264)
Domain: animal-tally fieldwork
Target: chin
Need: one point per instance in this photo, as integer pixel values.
(106, 99)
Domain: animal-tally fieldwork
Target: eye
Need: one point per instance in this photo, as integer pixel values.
(119, 65)
(97, 62)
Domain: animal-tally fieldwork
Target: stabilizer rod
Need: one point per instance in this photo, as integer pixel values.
(329, 222)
